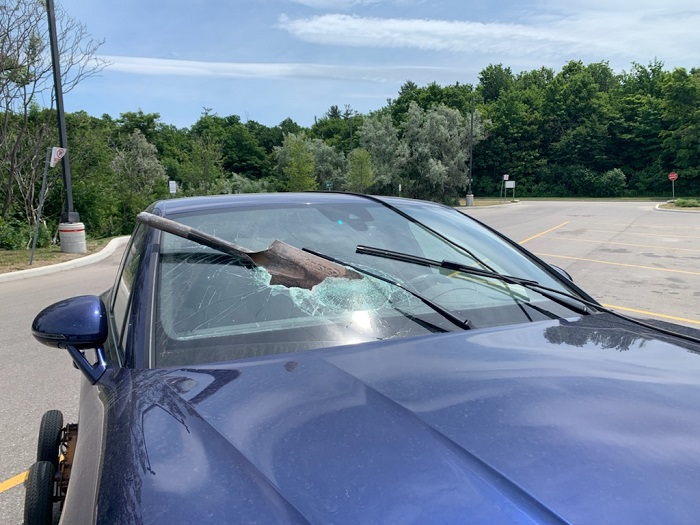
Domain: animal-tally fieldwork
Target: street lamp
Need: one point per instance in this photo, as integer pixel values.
(71, 230)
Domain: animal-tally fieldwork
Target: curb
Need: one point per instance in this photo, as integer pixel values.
(75, 263)
(659, 208)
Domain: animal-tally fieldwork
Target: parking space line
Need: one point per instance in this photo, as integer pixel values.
(686, 272)
(628, 244)
(544, 232)
(644, 226)
(13, 482)
(666, 236)
(652, 314)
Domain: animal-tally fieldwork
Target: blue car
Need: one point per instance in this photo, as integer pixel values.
(335, 358)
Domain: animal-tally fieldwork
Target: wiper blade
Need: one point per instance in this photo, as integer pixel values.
(565, 299)
(444, 312)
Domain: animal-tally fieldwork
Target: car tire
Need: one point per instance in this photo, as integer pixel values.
(49, 437)
(38, 499)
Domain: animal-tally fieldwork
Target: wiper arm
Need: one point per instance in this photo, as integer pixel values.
(565, 299)
(444, 312)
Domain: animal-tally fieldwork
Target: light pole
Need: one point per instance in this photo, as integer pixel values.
(69, 214)
(71, 230)
(470, 195)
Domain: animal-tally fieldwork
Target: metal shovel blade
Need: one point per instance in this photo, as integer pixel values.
(288, 266)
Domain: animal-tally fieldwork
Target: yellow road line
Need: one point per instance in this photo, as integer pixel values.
(651, 314)
(686, 272)
(544, 232)
(559, 238)
(13, 482)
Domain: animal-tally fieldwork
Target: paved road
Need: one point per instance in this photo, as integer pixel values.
(36, 378)
(629, 255)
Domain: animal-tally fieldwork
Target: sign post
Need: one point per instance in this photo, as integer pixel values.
(503, 191)
(673, 176)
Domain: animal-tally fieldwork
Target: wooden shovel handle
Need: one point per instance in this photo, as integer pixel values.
(186, 232)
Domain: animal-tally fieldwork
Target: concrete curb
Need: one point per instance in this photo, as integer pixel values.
(75, 263)
(659, 208)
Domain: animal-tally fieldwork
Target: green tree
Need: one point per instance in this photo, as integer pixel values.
(437, 142)
(295, 161)
(26, 81)
(338, 128)
(330, 165)
(201, 171)
(95, 193)
(681, 136)
(360, 171)
(495, 80)
(147, 123)
(140, 175)
(389, 154)
(242, 153)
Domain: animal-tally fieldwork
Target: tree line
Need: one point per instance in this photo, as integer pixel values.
(584, 131)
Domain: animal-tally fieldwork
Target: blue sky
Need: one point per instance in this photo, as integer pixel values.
(266, 60)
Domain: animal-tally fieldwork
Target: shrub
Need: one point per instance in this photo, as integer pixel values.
(14, 235)
(687, 203)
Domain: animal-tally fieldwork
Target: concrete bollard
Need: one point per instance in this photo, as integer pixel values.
(72, 236)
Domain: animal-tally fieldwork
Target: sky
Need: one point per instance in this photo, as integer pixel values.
(268, 60)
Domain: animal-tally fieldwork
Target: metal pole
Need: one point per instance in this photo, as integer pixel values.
(69, 215)
(470, 195)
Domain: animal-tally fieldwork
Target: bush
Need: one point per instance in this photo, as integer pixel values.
(610, 184)
(687, 203)
(17, 235)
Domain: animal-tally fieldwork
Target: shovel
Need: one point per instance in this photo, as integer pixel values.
(288, 266)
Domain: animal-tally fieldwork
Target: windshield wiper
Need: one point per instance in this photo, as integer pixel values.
(565, 299)
(574, 303)
(465, 324)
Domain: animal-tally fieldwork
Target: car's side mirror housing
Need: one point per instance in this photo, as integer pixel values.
(76, 324)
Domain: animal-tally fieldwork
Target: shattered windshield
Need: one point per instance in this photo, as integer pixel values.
(211, 307)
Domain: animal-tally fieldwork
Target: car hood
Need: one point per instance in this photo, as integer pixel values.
(585, 421)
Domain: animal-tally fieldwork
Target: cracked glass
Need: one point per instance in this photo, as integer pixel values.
(210, 307)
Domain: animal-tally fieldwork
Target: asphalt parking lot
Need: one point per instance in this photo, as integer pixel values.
(630, 256)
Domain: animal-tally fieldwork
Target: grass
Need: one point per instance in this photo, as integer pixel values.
(15, 260)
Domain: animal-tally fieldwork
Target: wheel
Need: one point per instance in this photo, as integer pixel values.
(38, 498)
(49, 437)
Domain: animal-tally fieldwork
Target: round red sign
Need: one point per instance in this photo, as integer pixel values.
(672, 176)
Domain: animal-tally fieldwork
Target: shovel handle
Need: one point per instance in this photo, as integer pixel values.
(192, 234)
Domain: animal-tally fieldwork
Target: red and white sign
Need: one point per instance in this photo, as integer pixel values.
(56, 155)
(673, 176)
(505, 177)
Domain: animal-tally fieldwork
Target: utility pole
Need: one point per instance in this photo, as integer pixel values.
(71, 230)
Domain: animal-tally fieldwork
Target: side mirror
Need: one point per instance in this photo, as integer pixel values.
(562, 272)
(76, 324)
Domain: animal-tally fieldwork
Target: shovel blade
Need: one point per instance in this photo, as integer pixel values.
(292, 267)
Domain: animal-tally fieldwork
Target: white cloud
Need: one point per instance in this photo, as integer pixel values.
(191, 68)
(433, 35)
(335, 4)
(598, 30)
